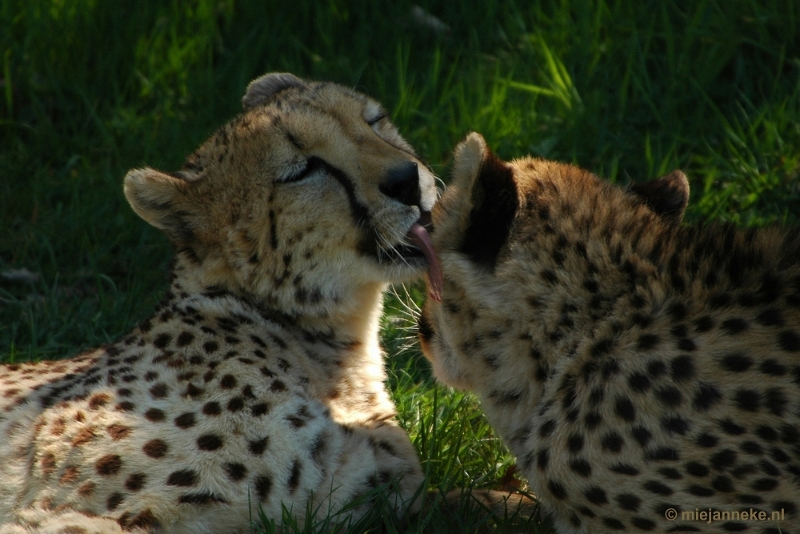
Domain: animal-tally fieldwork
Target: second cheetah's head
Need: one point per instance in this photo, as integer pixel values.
(519, 242)
(304, 199)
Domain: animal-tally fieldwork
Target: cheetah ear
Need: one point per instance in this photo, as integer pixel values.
(493, 200)
(666, 196)
(261, 89)
(156, 197)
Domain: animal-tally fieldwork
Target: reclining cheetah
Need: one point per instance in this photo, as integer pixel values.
(642, 372)
(259, 380)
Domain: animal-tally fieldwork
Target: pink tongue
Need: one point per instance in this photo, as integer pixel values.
(422, 239)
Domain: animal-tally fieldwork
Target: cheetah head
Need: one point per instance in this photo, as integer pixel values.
(519, 241)
(307, 197)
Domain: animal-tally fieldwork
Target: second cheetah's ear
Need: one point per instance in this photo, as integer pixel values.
(493, 200)
(261, 89)
(157, 198)
(666, 196)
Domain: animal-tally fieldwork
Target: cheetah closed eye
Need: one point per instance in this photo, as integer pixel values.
(259, 380)
(641, 371)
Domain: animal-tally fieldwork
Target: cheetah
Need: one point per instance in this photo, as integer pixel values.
(259, 381)
(645, 373)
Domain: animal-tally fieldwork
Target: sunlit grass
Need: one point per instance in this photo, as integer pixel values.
(629, 90)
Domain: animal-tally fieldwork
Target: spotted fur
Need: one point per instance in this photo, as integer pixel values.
(259, 381)
(633, 365)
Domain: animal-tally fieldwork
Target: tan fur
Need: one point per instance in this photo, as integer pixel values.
(632, 365)
(259, 382)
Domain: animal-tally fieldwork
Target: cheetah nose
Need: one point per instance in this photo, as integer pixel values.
(402, 183)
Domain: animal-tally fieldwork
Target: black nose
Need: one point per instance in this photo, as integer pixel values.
(402, 183)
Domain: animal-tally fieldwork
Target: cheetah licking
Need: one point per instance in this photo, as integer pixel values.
(259, 381)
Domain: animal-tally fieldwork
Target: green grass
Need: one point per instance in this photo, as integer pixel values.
(629, 90)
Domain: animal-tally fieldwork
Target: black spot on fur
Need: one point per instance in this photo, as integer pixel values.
(495, 204)
(263, 486)
(647, 341)
(586, 511)
(258, 446)
(767, 433)
(592, 286)
(162, 340)
(790, 434)
(723, 460)
(751, 447)
(236, 471)
(624, 409)
(643, 524)
(592, 420)
(612, 442)
(772, 367)
(776, 401)
(682, 368)
(707, 441)
(183, 477)
(613, 523)
(259, 409)
(679, 331)
(700, 491)
(209, 442)
(556, 489)
(602, 347)
(542, 459)
(235, 404)
(734, 326)
(675, 425)
(719, 301)
(705, 397)
(696, 469)
(185, 420)
(629, 502)
(789, 341)
(704, 324)
(575, 443)
(184, 339)
(610, 368)
(653, 486)
(770, 317)
(201, 498)
(641, 435)
(596, 495)
(670, 473)
(294, 476)
(737, 363)
(670, 396)
(663, 454)
(549, 276)
(731, 428)
(723, 484)
(625, 469)
(747, 400)
(581, 466)
(547, 428)
(656, 368)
